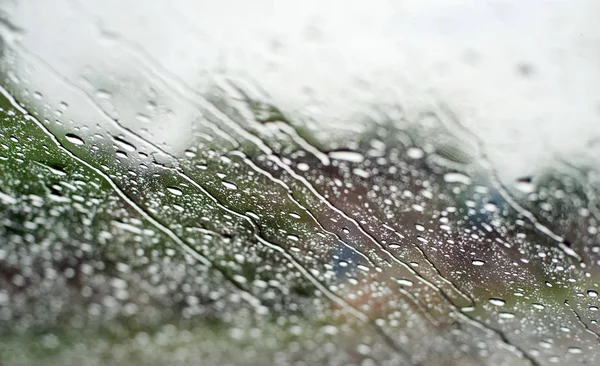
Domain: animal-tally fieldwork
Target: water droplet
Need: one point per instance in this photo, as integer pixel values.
(350, 156)
(592, 293)
(74, 139)
(142, 118)
(361, 173)
(303, 167)
(490, 207)
(420, 227)
(538, 306)
(497, 301)
(404, 282)
(229, 185)
(124, 144)
(175, 191)
(525, 185)
(477, 262)
(505, 315)
(415, 153)
(457, 178)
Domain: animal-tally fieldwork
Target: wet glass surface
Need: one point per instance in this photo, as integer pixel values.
(306, 183)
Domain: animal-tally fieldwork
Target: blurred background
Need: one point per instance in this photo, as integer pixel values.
(315, 182)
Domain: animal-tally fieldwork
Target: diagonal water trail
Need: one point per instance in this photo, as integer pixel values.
(288, 190)
(165, 76)
(582, 323)
(450, 283)
(332, 296)
(215, 127)
(182, 174)
(259, 143)
(453, 125)
(159, 226)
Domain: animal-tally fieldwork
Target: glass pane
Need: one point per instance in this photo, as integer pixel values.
(299, 182)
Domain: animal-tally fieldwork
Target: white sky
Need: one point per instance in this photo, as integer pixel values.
(466, 52)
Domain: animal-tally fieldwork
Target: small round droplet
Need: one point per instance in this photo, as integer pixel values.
(415, 153)
(538, 306)
(420, 227)
(477, 262)
(303, 167)
(74, 139)
(592, 293)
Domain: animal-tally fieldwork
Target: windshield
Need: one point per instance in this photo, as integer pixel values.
(299, 183)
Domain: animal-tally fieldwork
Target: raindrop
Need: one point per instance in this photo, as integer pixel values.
(74, 139)
(457, 178)
(404, 282)
(415, 153)
(505, 315)
(142, 118)
(229, 185)
(103, 94)
(175, 191)
(525, 185)
(490, 207)
(351, 156)
(124, 144)
(303, 167)
(477, 262)
(497, 301)
(592, 293)
(361, 173)
(538, 306)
